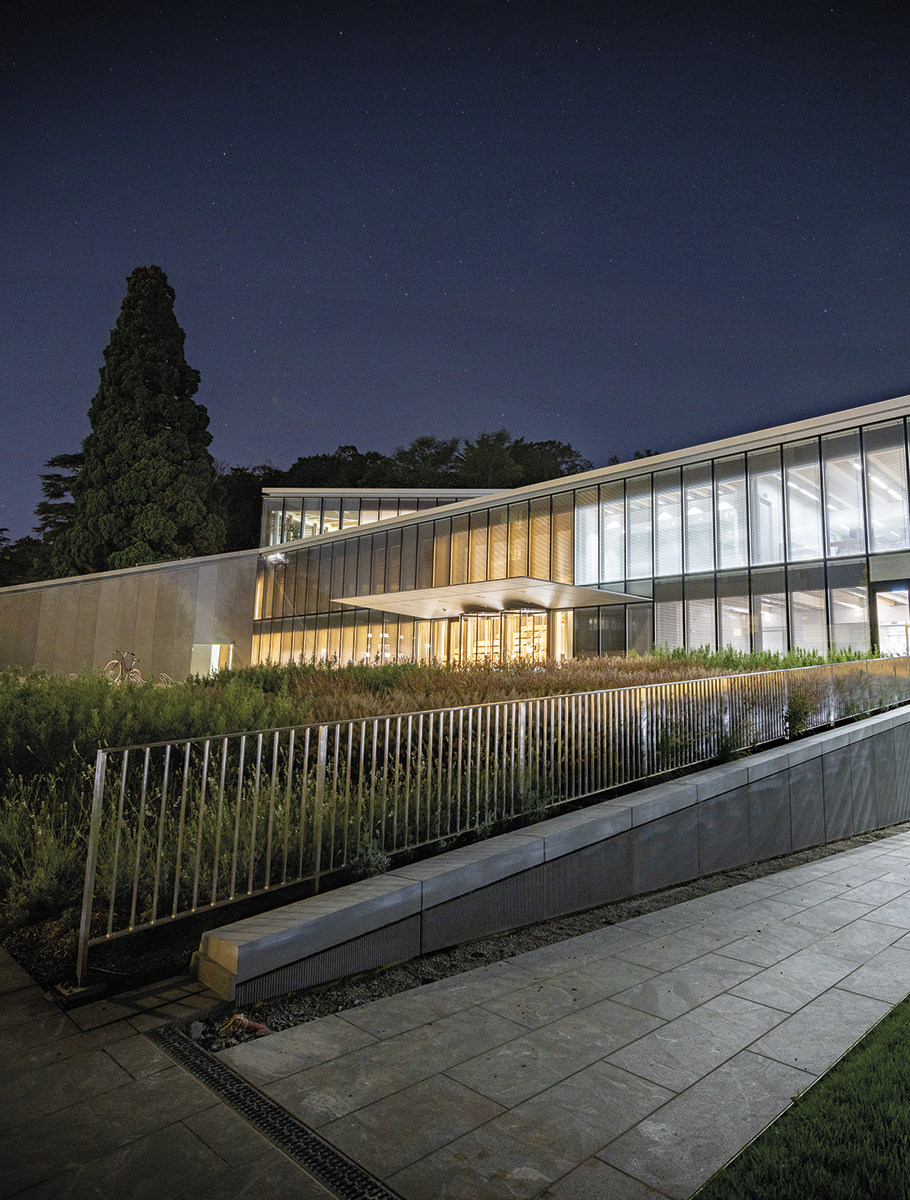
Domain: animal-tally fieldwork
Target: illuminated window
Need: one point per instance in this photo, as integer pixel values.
(668, 528)
(766, 515)
(734, 625)
(638, 527)
(802, 473)
(730, 512)
(843, 494)
(586, 540)
(698, 504)
(612, 524)
(886, 487)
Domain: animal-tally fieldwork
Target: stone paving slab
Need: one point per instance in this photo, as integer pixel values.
(682, 1144)
(626, 1064)
(94, 1110)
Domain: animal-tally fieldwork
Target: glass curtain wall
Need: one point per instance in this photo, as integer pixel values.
(765, 549)
(298, 587)
(805, 502)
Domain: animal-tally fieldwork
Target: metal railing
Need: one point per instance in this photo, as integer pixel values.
(185, 825)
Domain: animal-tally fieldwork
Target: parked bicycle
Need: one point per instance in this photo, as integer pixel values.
(119, 670)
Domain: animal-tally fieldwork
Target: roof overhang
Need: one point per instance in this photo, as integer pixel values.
(491, 596)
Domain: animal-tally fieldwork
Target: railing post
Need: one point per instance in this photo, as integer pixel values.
(321, 750)
(522, 749)
(91, 866)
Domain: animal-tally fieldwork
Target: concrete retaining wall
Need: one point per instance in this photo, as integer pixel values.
(834, 784)
(159, 612)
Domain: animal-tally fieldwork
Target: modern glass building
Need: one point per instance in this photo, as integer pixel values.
(792, 537)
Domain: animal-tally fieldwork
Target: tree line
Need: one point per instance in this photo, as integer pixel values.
(488, 460)
(144, 487)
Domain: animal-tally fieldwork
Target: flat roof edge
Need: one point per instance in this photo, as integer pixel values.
(173, 564)
(381, 493)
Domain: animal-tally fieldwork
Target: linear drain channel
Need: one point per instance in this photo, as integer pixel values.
(323, 1161)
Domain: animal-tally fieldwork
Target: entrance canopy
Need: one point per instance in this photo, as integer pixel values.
(491, 596)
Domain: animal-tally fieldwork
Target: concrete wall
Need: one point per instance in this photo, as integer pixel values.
(159, 612)
(817, 790)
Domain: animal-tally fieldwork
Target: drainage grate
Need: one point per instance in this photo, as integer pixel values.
(323, 1161)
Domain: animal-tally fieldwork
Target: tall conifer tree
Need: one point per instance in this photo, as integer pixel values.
(145, 491)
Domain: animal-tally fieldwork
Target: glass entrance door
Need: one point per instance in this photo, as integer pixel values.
(892, 610)
(503, 637)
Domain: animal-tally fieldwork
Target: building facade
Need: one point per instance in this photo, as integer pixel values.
(797, 536)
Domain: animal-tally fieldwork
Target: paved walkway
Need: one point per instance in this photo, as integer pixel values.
(626, 1064)
(93, 1109)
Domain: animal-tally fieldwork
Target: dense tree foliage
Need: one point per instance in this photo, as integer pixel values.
(238, 494)
(57, 511)
(145, 490)
(491, 460)
(23, 561)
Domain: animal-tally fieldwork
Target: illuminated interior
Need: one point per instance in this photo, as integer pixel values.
(761, 543)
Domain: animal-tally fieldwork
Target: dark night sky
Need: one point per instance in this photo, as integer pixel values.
(621, 225)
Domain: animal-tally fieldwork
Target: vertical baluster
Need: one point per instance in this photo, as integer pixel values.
(421, 811)
(200, 831)
(91, 867)
(362, 833)
(319, 797)
(304, 805)
(407, 784)
(270, 824)
(140, 833)
(286, 831)
(459, 776)
(181, 822)
(346, 856)
(238, 806)
(217, 854)
(161, 821)
(118, 837)
(333, 796)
